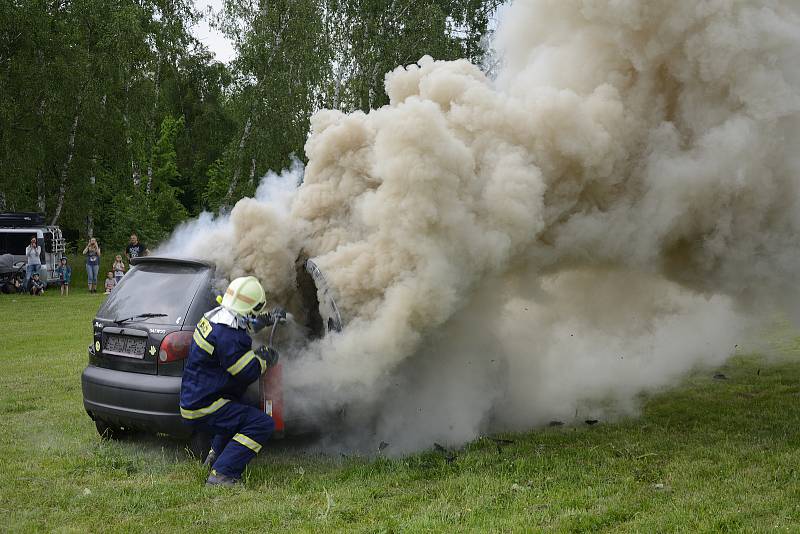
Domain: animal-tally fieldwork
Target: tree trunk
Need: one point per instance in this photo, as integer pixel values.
(41, 187)
(238, 167)
(337, 98)
(62, 188)
(90, 216)
(93, 185)
(41, 199)
(151, 126)
(253, 172)
(136, 175)
(149, 175)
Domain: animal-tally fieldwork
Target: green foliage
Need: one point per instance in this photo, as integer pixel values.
(218, 178)
(165, 159)
(151, 216)
(151, 107)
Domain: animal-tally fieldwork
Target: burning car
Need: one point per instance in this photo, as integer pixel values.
(141, 338)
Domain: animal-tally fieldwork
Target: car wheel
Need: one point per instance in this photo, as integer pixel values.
(199, 445)
(109, 431)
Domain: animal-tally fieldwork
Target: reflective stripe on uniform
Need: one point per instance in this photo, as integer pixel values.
(242, 362)
(202, 343)
(202, 412)
(247, 442)
(263, 365)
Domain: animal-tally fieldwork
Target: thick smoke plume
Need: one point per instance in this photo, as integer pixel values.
(608, 213)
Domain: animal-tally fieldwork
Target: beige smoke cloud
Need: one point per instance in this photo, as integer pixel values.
(601, 218)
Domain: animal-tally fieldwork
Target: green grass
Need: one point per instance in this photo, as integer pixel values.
(712, 455)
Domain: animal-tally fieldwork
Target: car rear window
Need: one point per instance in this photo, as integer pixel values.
(154, 288)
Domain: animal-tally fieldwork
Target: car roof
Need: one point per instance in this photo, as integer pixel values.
(195, 262)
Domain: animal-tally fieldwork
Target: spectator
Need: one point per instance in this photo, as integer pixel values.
(110, 282)
(32, 255)
(37, 286)
(92, 252)
(64, 273)
(19, 284)
(119, 268)
(135, 248)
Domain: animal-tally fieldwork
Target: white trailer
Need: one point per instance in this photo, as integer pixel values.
(16, 231)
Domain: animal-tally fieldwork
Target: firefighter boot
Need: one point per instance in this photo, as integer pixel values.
(218, 479)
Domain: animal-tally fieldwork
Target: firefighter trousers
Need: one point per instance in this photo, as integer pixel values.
(239, 433)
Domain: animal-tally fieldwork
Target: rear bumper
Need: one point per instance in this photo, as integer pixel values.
(147, 402)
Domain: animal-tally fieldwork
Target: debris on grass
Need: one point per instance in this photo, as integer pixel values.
(555, 423)
(449, 455)
(328, 504)
(500, 443)
(591, 422)
(720, 376)
(382, 445)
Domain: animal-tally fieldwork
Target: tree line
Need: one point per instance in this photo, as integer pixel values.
(114, 117)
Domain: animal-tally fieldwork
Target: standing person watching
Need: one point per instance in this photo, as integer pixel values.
(32, 256)
(135, 248)
(92, 252)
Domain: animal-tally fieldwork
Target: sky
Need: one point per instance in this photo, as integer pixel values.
(223, 47)
(214, 40)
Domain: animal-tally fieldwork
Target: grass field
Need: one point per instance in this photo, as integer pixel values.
(713, 455)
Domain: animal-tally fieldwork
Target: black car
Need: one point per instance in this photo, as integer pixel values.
(142, 335)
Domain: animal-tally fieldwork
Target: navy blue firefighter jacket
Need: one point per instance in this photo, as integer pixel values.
(220, 366)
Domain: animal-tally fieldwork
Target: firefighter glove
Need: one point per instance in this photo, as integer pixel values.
(268, 354)
(259, 322)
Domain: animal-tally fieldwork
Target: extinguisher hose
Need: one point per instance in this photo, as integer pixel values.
(272, 333)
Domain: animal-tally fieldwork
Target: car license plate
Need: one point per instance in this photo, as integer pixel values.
(128, 346)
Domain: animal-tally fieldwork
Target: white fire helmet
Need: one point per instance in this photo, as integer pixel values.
(244, 296)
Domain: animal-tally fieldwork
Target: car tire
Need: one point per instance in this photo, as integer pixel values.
(109, 431)
(199, 445)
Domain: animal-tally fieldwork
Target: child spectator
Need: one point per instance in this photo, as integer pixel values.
(119, 268)
(110, 282)
(19, 284)
(37, 286)
(64, 273)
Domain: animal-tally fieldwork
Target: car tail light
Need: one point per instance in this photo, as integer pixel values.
(175, 346)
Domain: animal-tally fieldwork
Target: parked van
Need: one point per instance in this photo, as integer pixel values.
(16, 231)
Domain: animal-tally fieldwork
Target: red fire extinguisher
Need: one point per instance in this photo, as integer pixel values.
(271, 389)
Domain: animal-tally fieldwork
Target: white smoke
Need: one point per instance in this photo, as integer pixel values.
(609, 213)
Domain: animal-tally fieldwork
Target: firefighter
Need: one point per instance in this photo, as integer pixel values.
(220, 366)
